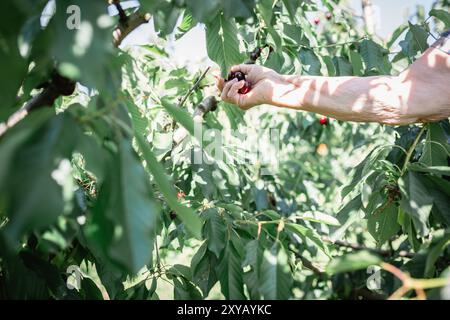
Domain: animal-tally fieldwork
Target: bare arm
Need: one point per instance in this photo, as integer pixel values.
(419, 94)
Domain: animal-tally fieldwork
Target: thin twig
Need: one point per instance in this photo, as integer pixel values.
(358, 247)
(56, 87)
(408, 283)
(193, 88)
(334, 44)
(412, 148)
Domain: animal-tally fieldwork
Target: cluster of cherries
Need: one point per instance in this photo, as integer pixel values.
(240, 76)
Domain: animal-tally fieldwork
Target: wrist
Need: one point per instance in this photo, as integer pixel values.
(287, 92)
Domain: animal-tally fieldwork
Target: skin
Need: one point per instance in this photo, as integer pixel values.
(419, 94)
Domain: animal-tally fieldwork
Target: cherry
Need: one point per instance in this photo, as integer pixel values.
(245, 89)
(172, 215)
(316, 20)
(328, 15)
(180, 195)
(255, 54)
(240, 76)
(323, 120)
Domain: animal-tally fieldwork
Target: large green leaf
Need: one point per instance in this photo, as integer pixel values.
(229, 272)
(343, 66)
(442, 15)
(416, 200)
(187, 215)
(436, 149)
(276, 277)
(396, 34)
(352, 262)
(308, 233)
(382, 225)
(17, 18)
(33, 176)
(222, 43)
(373, 55)
(440, 190)
(79, 50)
(203, 266)
(434, 253)
(125, 218)
(357, 63)
(253, 259)
(237, 8)
(415, 41)
(310, 62)
(203, 11)
(215, 231)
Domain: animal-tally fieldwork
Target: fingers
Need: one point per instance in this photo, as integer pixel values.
(220, 83)
(226, 89)
(233, 92)
(245, 68)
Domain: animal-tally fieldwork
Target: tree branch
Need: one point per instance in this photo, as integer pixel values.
(383, 253)
(134, 20)
(57, 86)
(193, 88)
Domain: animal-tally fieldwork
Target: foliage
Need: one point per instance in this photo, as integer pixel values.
(92, 181)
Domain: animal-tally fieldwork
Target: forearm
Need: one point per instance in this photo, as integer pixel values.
(370, 99)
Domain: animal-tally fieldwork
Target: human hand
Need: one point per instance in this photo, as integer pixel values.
(265, 85)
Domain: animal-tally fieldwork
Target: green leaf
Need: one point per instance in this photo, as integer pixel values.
(330, 66)
(373, 55)
(320, 217)
(215, 231)
(415, 41)
(357, 63)
(310, 234)
(222, 43)
(79, 50)
(237, 8)
(125, 218)
(276, 277)
(434, 253)
(310, 62)
(203, 266)
(180, 115)
(265, 8)
(418, 167)
(187, 215)
(187, 23)
(382, 225)
(436, 149)
(416, 200)
(293, 33)
(90, 289)
(184, 290)
(229, 272)
(353, 261)
(440, 189)
(291, 7)
(13, 65)
(396, 34)
(442, 15)
(34, 176)
(349, 214)
(203, 11)
(343, 67)
(253, 258)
